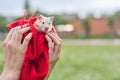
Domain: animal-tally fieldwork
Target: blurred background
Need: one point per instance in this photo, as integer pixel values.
(90, 30)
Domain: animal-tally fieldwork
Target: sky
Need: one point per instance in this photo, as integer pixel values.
(80, 7)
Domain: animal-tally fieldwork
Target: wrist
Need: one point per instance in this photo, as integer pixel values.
(51, 66)
(9, 75)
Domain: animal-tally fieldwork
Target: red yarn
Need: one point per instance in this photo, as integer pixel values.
(36, 57)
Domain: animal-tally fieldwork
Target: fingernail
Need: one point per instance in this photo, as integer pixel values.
(30, 34)
(29, 27)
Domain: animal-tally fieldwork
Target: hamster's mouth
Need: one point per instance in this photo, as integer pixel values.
(39, 29)
(42, 30)
(46, 29)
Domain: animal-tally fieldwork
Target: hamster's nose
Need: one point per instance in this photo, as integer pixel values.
(46, 28)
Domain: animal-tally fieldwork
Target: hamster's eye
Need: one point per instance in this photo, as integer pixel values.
(43, 22)
(49, 23)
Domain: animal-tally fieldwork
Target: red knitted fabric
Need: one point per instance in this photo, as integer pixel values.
(36, 57)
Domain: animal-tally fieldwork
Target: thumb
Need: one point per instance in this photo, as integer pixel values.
(26, 41)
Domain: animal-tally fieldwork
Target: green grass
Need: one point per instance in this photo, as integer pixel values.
(88, 63)
(1, 56)
(85, 63)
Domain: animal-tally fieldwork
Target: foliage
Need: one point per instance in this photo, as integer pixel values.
(3, 23)
(105, 36)
(86, 26)
(58, 19)
(20, 17)
(27, 6)
(112, 18)
(111, 21)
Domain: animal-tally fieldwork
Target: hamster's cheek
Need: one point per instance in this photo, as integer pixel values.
(50, 29)
(43, 29)
(40, 29)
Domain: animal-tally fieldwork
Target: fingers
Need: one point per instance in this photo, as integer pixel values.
(25, 25)
(26, 41)
(49, 40)
(11, 33)
(55, 54)
(55, 34)
(17, 36)
(21, 32)
(55, 38)
(50, 44)
(57, 50)
(54, 30)
(24, 30)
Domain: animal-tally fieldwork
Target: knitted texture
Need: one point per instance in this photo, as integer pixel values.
(35, 65)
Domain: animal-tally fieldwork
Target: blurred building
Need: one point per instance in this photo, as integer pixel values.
(116, 27)
(65, 30)
(74, 26)
(70, 17)
(99, 26)
(78, 27)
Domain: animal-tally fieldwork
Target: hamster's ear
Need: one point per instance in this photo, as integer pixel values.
(39, 16)
(51, 18)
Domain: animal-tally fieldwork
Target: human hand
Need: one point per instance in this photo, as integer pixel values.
(14, 52)
(54, 44)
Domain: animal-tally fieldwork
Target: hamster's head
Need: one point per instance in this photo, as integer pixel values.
(44, 24)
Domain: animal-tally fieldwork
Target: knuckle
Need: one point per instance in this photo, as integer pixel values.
(4, 43)
(17, 28)
(24, 25)
(51, 48)
(9, 44)
(19, 32)
(59, 43)
(22, 50)
(61, 40)
(27, 38)
(58, 57)
(12, 30)
(15, 48)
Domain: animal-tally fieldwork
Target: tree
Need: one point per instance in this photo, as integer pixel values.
(59, 19)
(111, 22)
(86, 27)
(3, 23)
(111, 25)
(27, 6)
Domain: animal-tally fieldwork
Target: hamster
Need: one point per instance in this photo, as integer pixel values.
(44, 24)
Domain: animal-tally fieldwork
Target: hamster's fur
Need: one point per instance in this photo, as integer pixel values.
(44, 24)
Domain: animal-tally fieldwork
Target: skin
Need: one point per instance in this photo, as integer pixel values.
(14, 52)
(54, 50)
